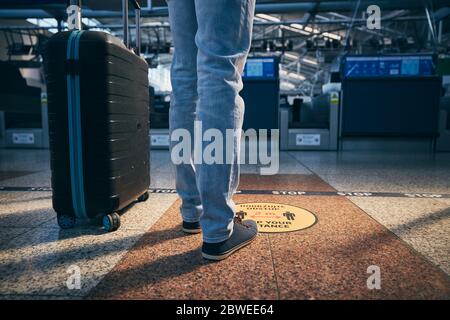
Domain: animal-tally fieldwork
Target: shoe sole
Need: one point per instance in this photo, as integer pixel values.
(191, 231)
(229, 253)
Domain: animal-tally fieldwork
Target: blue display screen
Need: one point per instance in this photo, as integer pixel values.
(389, 66)
(260, 68)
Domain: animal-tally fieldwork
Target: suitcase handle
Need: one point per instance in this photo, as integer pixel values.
(126, 39)
(137, 12)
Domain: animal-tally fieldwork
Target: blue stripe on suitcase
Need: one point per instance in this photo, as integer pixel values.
(79, 159)
(75, 135)
(74, 188)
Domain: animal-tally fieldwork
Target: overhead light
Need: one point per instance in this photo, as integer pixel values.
(296, 76)
(331, 35)
(309, 61)
(287, 85)
(296, 30)
(268, 17)
(154, 24)
(259, 19)
(290, 56)
(90, 22)
(46, 22)
(309, 29)
(296, 25)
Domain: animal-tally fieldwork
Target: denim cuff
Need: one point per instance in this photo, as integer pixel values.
(217, 239)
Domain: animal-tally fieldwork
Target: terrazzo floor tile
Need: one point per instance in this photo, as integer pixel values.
(9, 233)
(35, 262)
(249, 169)
(163, 179)
(159, 158)
(38, 297)
(142, 216)
(26, 211)
(423, 182)
(328, 260)
(23, 159)
(363, 182)
(290, 165)
(13, 198)
(166, 263)
(293, 182)
(422, 223)
(5, 175)
(138, 216)
(38, 262)
(38, 179)
(373, 163)
(287, 165)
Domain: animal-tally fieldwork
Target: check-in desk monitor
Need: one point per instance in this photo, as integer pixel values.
(395, 95)
(261, 93)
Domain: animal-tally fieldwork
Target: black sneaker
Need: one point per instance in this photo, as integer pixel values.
(244, 232)
(191, 227)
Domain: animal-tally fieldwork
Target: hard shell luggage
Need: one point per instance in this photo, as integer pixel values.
(98, 109)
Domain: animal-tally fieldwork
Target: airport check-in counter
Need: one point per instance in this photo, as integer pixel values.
(443, 141)
(159, 120)
(23, 111)
(261, 93)
(311, 126)
(390, 102)
(27, 137)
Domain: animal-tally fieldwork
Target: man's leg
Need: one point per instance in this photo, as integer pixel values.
(184, 99)
(223, 41)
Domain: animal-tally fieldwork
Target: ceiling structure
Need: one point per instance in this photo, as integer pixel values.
(309, 36)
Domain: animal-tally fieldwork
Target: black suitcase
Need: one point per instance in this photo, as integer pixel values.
(98, 109)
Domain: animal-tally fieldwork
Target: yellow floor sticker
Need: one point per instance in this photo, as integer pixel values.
(276, 217)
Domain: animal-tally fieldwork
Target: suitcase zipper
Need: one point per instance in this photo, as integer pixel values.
(75, 133)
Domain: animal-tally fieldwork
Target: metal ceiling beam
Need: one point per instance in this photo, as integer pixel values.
(256, 23)
(339, 21)
(326, 6)
(344, 5)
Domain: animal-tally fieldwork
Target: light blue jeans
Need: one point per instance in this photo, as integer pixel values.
(212, 39)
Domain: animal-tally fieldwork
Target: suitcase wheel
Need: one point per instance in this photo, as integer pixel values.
(111, 222)
(143, 197)
(66, 221)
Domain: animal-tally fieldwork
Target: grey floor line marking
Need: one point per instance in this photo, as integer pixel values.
(363, 194)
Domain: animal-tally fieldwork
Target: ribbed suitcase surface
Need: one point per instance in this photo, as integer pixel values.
(99, 136)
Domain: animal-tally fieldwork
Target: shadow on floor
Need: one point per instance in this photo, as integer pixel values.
(430, 218)
(15, 201)
(153, 272)
(72, 255)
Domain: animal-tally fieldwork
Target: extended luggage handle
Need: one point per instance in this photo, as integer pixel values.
(74, 20)
(137, 13)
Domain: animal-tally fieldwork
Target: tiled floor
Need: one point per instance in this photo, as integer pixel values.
(422, 223)
(35, 254)
(327, 261)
